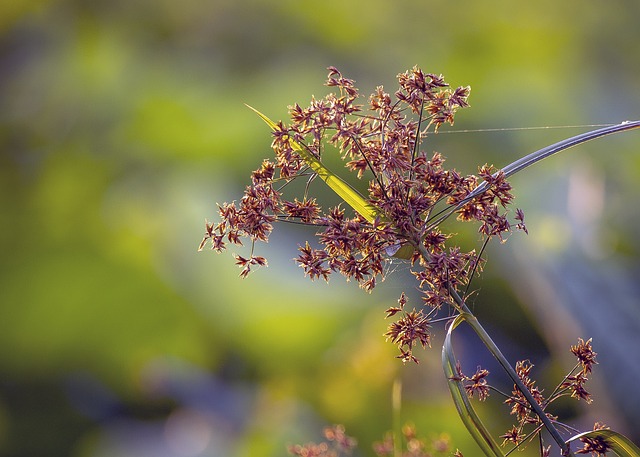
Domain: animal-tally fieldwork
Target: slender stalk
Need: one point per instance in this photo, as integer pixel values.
(552, 149)
(470, 318)
(495, 351)
(543, 153)
(539, 155)
(396, 402)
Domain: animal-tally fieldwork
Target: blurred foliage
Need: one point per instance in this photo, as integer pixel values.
(122, 123)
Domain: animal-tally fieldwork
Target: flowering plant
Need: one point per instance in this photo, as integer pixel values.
(409, 195)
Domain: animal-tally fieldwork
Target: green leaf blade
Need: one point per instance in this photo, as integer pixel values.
(461, 400)
(617, 442)
(351, 196)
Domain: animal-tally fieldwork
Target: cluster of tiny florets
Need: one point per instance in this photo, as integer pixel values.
(476, 384)
(338, 444)
(411, 328)
(411, 191)
(520, 407)
(574, 381)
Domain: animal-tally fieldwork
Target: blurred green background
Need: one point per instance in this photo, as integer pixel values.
(122, 123)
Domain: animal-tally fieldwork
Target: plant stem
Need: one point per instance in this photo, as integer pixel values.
(495, 351)
(552, 149)
(537, 156)
(396, 401)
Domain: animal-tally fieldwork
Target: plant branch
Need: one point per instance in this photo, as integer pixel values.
(495, 351)
(470, 318)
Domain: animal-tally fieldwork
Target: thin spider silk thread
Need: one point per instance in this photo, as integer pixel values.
(512, 129)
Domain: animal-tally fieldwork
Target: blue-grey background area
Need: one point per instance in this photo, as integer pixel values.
(122, 123)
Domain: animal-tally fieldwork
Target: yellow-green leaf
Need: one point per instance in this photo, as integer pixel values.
(340, 187)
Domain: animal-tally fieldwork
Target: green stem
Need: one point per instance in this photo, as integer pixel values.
(495, 351)
(552, 149)
(396, 401)
(537, 156)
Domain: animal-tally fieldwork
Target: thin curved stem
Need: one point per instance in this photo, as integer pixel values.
(495, 351)
(555, 148)
(537, 156)
(471, 319)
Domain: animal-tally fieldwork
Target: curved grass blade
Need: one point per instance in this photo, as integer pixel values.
(537, 156)
(541, 154)
(460, 398)
(617, 442)
(351, 196)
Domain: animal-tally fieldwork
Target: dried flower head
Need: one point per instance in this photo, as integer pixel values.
(413, 327)
(575, 385)
(519, 405)
(337, 435)
(477, 384)
(572, 385)
(514, 435)
(585, 354)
